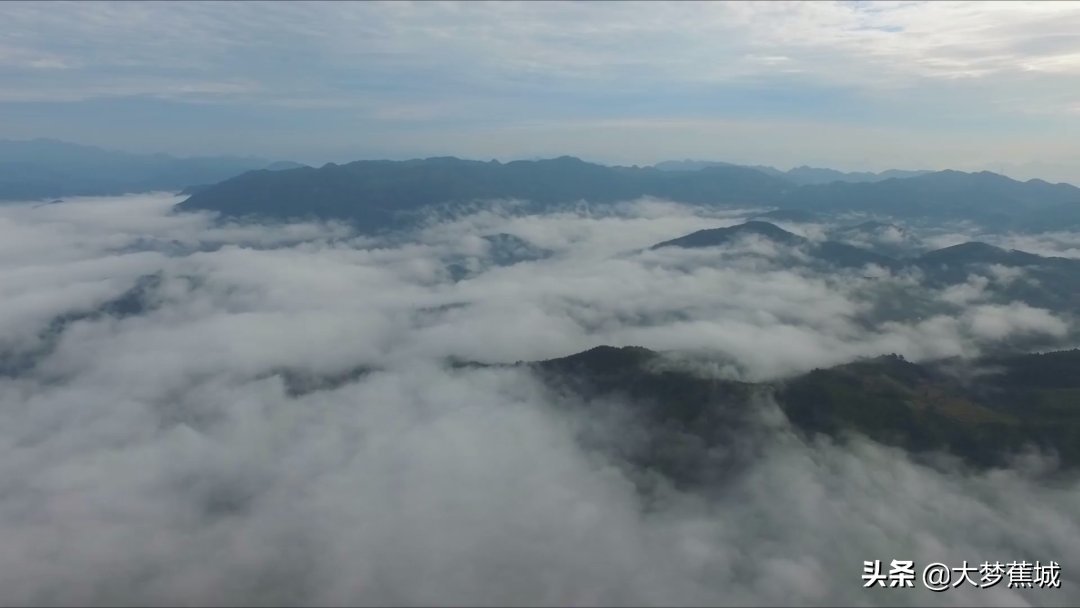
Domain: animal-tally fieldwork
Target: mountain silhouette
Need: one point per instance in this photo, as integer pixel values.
(384, 194)
(379, 194)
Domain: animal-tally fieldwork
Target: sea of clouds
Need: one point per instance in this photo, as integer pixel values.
(156, 456)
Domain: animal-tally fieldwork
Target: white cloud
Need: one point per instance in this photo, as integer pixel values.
(964, 293)
(913, 85)
(997, 322)
(151, 458)
(877, 45)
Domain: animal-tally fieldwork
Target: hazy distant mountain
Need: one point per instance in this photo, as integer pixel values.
(799, 175)
(375, 194)
(689, 165)
(46, 168)
(1051, 172)
(378, 194)
(809, 175)
(989, 198)
(283, 165)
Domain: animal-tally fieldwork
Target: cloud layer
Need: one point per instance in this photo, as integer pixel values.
(156, 457)
(937, 82)
(884, 45)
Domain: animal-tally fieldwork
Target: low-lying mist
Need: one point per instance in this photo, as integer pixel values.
(152, 452)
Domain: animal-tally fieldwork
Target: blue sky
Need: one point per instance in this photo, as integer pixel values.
(852, 85)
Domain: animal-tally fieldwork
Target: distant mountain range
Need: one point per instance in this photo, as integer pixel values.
(376, 194)
(1051, 172)
(380, 194)
(991, 199)
(47, 168)
(800, 176)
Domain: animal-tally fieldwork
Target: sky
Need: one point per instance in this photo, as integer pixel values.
(851, 85)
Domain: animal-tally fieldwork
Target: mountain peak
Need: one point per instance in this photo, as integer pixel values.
(975, 252)
(567, 161)
(602, 358)
(713, 237)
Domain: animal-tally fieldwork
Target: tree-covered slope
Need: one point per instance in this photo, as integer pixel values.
(375, 194)
(983, 411)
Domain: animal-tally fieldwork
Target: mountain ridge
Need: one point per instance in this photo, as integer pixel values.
(985, 197)
(1052, 283)
(801, 175)
(832, 252)
(371, 192)
(968, 252)
(1021, 400)
(375, 194)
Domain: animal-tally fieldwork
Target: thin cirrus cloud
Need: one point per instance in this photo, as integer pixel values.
(471, 68)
